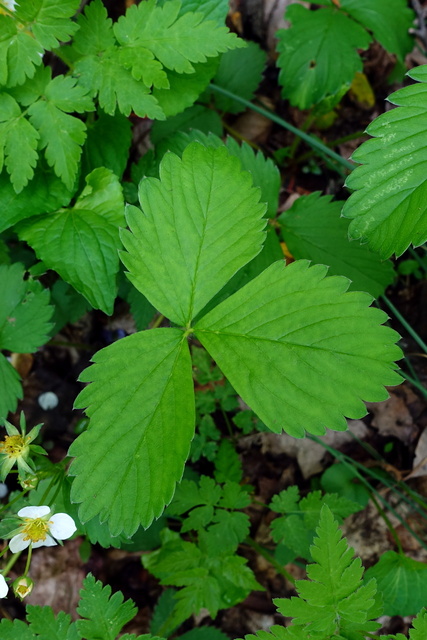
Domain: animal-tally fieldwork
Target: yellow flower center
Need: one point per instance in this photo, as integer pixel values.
(14, 446)
(35, 529)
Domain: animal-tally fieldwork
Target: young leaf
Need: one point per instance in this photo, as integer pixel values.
(402, 582)
(389, 205)
(240, 71)
(309, 50)
(48, 627)
(200, 223)
(334, 600)
(151, 370)
(81, 243)
(104, 614)
(312, 228)
(300, 350)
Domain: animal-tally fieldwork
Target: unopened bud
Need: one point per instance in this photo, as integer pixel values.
(29, 482)
(22, 586)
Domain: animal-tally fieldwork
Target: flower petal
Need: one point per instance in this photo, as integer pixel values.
(33, 512)
(3, 587)
(47, 542)
(62, 526)
(18, 543)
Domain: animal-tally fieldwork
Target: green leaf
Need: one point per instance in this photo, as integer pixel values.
(312, 229)
(420, 626)
(25, 311)
(300, 350)
(50, 19)
(334, 600)
(402, 582)
(10, 387)
(18, 143)
(309, 51)
(389, 21)
(204, 633)
(107, 144)
(389, 205)
(81, 243)
(240, 71)
(48, 627)
(228, 466)
(105, 614)
(198, 116)
(200, 223)
(16, 630)
(45, 193)
(216, 10)
(151, 369)
(176, 42)
(69, 305)
(343, 479)
(19, 53)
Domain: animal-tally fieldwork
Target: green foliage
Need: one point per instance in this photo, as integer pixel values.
(296, 528)
(388, 207)
(24, 326)
(402, 582)
(343, 479)
(81, 243)
(312, 228)
(310, 48)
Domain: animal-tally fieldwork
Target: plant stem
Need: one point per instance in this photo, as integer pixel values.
(311, 140)
(405, 323)
(11, 562)
(158, 321)
(388, 524)
(414, 383)
(271, 559)
(27, 565)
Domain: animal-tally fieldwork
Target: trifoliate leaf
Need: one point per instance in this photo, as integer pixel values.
(10, 387)
(389, 205)
(239, 71)
(47, 626)
(176, 42)
(81, 243)
(309, 51)
(199, 224)
(300, 350)
(389, 21)
(104, 615)
(49, 19)
(152, 369)
(402, 582)
(45, 193)
(19, 53)
(312, 228)
(25, 311)
(18, 143)
(334, 600)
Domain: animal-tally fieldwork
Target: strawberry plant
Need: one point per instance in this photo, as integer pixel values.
(189, 235)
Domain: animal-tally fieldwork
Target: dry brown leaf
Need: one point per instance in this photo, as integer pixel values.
(419, 467)
(392, 417)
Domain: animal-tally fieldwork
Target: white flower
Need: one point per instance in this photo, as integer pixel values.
(39, 528)
(3, 587)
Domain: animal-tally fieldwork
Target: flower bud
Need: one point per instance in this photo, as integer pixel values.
(29, 482)
(22, 586)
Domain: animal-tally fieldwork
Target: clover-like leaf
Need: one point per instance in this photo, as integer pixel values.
(312, 228)
(389, 204)
(199, 224)
(81, 243)
(300, 350)
(142, 423)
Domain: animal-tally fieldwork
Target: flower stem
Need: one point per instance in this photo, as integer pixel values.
(30, 553)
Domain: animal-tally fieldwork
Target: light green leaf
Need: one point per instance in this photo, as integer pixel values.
(419, 631)
(95, 33)
(104, 614)
(81, 243)
(312, 228)
(240, 71)
(176, 42)
(45, 193)
(152, 369)
(389, 205)
(50, 19)
(300, 350)
(19, 53)
(15, 630)
(198, 116)
(216, 10)
(10, 387)
(24, 312)
(48, 627)
(389, 21)
(201, 222)
(309, 51)
(402, 582)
